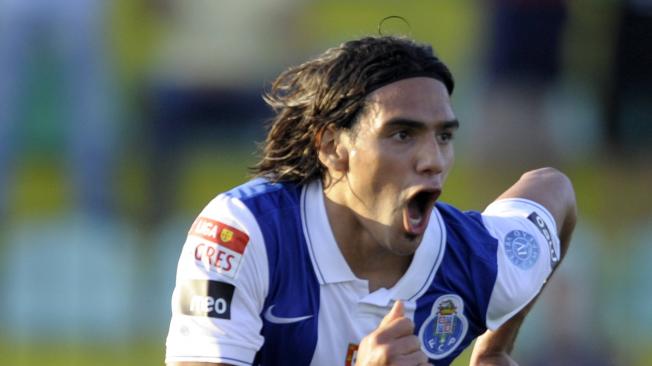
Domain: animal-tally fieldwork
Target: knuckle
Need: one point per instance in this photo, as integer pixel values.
(373, 337)
(422, 358)
(385, 349)
(365, 340)
(377, 338)
(414, 342)
(369, 342)
(381, 354)
(391, 349)
(406, 324)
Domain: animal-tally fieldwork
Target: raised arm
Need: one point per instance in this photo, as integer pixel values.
(553, 190)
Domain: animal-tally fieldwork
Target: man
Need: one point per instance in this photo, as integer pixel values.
(338, 254)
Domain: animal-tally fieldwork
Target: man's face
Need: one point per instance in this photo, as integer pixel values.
(399, 154)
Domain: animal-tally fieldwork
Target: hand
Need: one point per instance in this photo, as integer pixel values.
(392, 343)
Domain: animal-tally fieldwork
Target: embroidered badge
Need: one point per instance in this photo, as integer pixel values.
(220, 234)
(222, 247)
(445, 328)
(521, 249)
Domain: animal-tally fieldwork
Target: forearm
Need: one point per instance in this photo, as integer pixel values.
(493, 348)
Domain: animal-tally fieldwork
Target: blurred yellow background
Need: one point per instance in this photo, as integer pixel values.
(120, 120)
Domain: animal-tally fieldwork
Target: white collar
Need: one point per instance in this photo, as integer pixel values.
(331, 267)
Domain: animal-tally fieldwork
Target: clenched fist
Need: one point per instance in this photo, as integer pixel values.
(392, 343)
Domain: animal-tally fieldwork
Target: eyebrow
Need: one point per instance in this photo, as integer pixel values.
(399, 121)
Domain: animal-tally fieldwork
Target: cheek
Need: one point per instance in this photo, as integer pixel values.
(376, 161)
(450, 160)
(371, 171)
(363, 164)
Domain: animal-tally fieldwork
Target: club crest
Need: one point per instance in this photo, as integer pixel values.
(521, 249)
(445, 328)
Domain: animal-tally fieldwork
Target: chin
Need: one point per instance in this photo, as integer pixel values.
(407, 245)
(412, 237)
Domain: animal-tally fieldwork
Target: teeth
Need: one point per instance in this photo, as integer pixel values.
(415, 221)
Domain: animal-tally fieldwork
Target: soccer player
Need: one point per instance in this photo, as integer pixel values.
(338, 253)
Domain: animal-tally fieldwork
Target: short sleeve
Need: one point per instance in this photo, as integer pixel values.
(221, 284)
(528, 251)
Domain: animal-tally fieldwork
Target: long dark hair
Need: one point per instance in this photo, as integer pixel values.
(331, 89)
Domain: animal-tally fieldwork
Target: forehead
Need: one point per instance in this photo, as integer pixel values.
(421, 99)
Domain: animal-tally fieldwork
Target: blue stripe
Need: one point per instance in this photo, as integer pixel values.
(468, 269)
(293, 285)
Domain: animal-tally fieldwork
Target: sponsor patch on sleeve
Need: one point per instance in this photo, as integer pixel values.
(222, 248)
(543, 228)
(206, 298)
(220, 233)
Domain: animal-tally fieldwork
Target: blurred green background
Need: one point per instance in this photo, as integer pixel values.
(120, 120)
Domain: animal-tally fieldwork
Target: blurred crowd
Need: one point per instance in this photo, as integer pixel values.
(117, 101)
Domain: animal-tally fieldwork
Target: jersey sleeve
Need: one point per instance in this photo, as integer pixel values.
(528, 251)
(221, 285)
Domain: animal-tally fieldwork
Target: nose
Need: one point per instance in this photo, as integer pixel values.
(431, 158)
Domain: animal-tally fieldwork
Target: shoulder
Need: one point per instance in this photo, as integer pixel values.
(261, 195)
(223, 238)
(512, 239)
(466, 231)
(500, 218)
(241, 221)
(248, 206)
(455, 216)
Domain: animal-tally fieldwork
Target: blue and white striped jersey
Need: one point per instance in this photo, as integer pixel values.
(262, 281)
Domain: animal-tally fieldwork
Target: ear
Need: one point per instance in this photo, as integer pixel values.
(333, 151)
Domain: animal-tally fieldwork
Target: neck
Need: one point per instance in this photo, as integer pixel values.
(365, 255)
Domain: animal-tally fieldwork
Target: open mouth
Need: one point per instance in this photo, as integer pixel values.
(418, 209)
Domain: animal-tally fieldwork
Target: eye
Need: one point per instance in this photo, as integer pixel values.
(444, 137)
(401, 135)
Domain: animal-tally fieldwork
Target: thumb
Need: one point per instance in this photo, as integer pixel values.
(396, 312)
